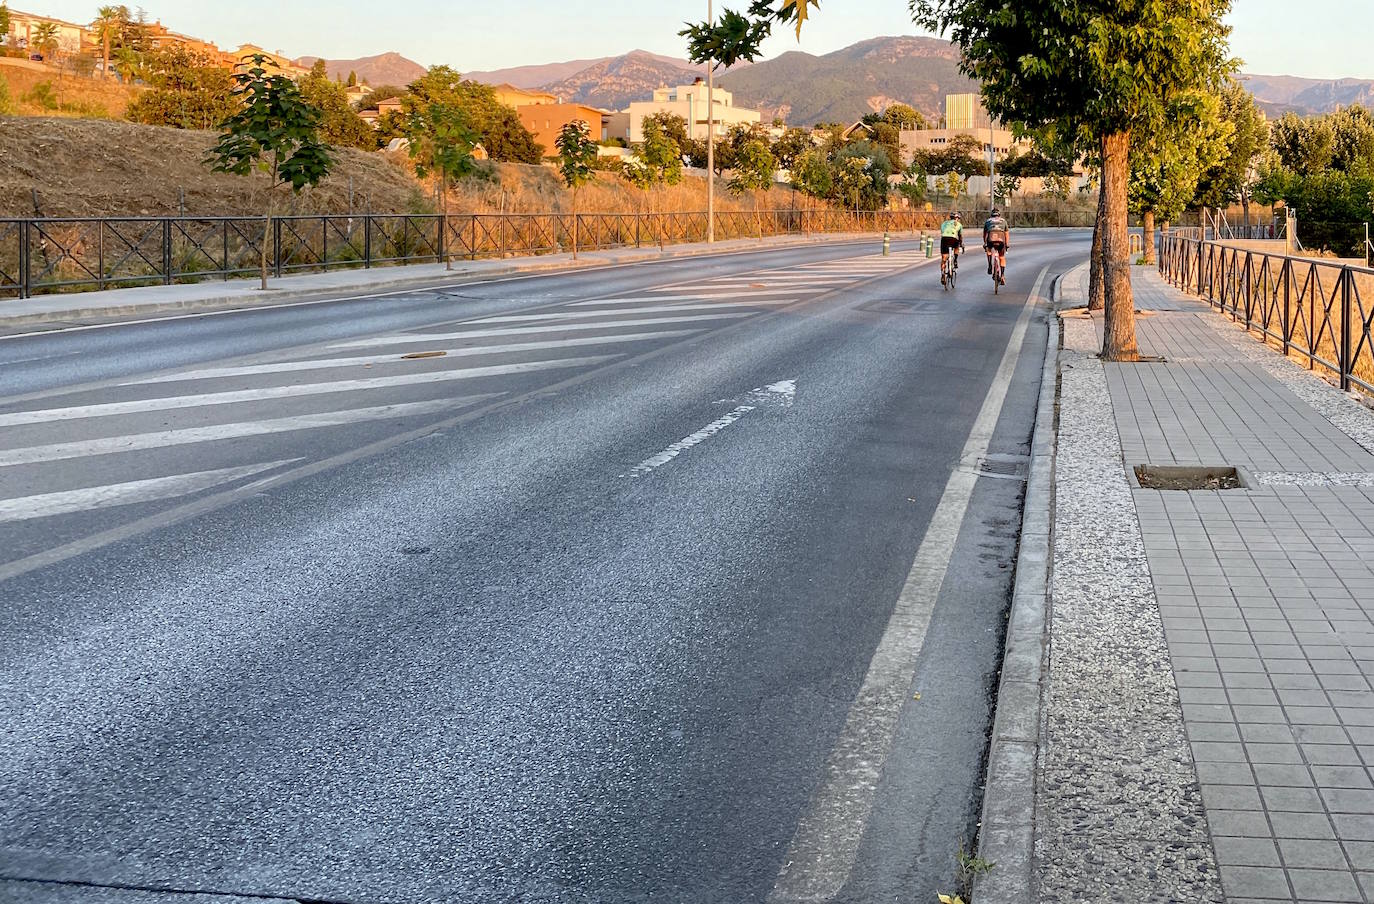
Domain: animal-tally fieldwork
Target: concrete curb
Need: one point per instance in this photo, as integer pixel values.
(243, 294)
(1007, 835)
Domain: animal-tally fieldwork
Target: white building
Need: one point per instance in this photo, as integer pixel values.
(689, 102)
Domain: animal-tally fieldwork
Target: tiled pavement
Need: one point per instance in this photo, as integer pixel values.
(1266, 595)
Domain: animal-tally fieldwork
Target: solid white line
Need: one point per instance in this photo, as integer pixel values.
(45, 505)
(137, 442)
(137, 406)
(422, 338)
(821, 856)
(652, 309)
(213, 373)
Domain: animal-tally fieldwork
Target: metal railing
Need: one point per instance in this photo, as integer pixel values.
(1323, 311)
(40, 256)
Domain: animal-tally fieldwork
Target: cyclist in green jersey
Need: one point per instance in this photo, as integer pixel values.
(951, 238)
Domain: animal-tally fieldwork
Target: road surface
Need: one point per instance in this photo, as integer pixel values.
(680, 581)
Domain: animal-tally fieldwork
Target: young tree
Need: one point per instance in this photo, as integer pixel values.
(812, 174)
(657, 161)
(861, 171)
(914, 182)
(45, 40)
(440, 143)
(498, 126)
(352, 79)
(1227, 180)
(273, 131)
(1166, 167)
(755, 167)
(790, 145)
(576, 161)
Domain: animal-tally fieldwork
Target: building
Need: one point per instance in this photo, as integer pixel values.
(964, 115)
(689, 102)
(159, 37)
(275, 63)
(72, 38)
(547, 120)
(372, 114)
(512, 96)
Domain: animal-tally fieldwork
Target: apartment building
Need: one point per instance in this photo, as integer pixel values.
(689, 102)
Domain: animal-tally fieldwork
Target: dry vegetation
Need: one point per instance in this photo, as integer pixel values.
(92, 167)
(74, 96)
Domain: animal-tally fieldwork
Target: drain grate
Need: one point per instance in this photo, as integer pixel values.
(1003, 466)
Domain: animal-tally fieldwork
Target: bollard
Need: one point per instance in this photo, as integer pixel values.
(887, 244)
(930, 247)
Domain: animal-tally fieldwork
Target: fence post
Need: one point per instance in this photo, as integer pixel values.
(1287, 277)
(443, 235)
(276, 243)
(166, 251)
(100, 253)
(1347, 365)
(24, 238)
(367, 241)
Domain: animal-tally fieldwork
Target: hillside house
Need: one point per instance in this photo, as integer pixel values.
(547, 120)
(689, 102)
(72, 38)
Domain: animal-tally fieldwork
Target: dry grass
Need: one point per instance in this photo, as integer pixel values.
(75, 96)
(86, 168)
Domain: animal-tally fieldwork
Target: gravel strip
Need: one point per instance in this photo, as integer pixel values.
(1314, 479)
(1119, 809)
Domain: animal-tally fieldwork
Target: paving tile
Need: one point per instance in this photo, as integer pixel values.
(1253, 823)
(1255, 881)
(1309, 853)
(1324, 885)
(1347, 800)
(1302, 825)
(1235, 851)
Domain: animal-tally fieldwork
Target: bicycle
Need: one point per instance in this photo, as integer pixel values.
(949, 270)
(998, 279)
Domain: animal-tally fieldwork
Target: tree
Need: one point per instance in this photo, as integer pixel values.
(109, 21)
(792, 144)
(904, 117)
(812, 173)
(1095, 72)
(657, 161)
(379, 94)
(913, 184)
(576, 159)
(673, 126)
(45, 39)
(441, 143)
(340, 124)
(498, 126)
(1166, 168)
(273, 131)
(352, 79)
(4, 22)
(1228, 179)
(189, 90)
(755, 167)
(861, 171)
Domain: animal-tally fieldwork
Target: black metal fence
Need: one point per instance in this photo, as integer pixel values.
(1322, 310)
(40, 256)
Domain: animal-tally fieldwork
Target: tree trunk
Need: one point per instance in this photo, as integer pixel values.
(1148, 228)
(1118, 342)
(266, 237)
(574, 219)
(443, 225)
(1097, 290)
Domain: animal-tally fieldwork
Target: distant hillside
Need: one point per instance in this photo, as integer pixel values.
(1279, 94)
(551, 73)
(382, 69)
(844, 85)
(614, 82)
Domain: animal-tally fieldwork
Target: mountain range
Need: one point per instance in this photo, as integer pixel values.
(806, 88)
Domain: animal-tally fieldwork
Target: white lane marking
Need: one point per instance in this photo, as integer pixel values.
(213, 373)
(704, 295)
(786, 389)
(45, 505)
(652, 309)
(421, 338)
(137, 406)
(136, 442)
(821, 855)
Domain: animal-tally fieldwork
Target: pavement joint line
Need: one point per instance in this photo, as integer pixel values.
(155, 889)
(1007, 834)
(207, 504)
(821, 855)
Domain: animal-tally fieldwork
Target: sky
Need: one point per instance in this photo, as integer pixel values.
(1273, 37)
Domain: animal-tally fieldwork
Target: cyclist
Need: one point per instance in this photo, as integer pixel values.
(951, 239)
(996, 238)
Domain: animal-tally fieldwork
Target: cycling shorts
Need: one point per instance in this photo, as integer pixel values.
(948, 243)
(999, 247)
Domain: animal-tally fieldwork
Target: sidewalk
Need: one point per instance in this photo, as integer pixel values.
(1208, 716)
(68, 309)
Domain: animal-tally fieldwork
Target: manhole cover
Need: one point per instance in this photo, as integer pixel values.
(1003, 466)
(1186, 477)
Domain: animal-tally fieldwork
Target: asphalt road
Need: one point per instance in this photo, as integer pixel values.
(670, 582)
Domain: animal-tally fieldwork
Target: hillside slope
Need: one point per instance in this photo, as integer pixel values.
(82, 168)
(844, 85)
(1280, 93)
(381, 69)
(615, 82)
(539, 75)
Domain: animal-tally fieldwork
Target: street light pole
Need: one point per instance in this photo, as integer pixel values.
(710, 137)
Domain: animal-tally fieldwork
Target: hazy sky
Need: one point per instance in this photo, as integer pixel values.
(1315, 38)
